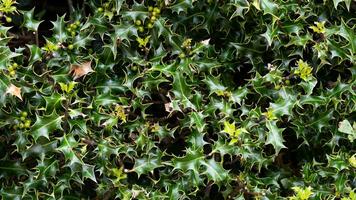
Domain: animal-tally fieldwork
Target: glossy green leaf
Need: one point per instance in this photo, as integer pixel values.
(45, 125)
(274, 136)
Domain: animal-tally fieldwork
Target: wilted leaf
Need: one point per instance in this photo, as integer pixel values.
(80, 69)
(15, 91)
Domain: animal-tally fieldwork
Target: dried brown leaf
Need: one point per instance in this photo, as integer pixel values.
(15, 91)
(81, 69)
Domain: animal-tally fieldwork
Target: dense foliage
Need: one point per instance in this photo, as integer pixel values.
(178, 99)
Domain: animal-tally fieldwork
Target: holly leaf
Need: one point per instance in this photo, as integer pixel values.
(214, 84)
(119, 175)
(138, 11)
(36, 54)
(4, 84)
(10, 167)
(345, 127)
(336, 50)
(182, 91)
(274, 136)
(320, 120)
(53, 101)
(282, 107)
(181, 6)
(5, 55)
(240, 6)
(67, 146)
(268, 7)
(47, 168)
(59, 32)
(349, 34)
(347, 3)
(194, 161)
(45, 125)
(142, 42)
(238, 95)
(271, 33)
(88, 171)
(15, 91)
(309, 85)
(118, 4)
(80, 69)
(189, 163)
(82, 39)
(229, 128)
(29, 22)
(147, 163)
(214, 171)
(197, 119)
(123, 32)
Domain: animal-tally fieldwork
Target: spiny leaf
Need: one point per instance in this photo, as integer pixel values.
(88, 171)
(215, 171)
(15, 91)
(302, 193)
(45, 125)
(29, 22)
(182, 91)
(5, 55)
(270, 34)
(81, 69)
(147, 164)
(118, 4)
(347, 3)
(274, 136)
(197, 119)
(36, 54)
(67, 146)
(349, 34)
(182, 6)
(59, 31)
(345, 127)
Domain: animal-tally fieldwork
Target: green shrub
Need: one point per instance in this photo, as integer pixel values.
(178, 99)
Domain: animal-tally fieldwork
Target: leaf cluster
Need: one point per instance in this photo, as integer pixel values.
(184, 99)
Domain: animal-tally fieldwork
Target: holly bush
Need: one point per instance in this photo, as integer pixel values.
(178, 99)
